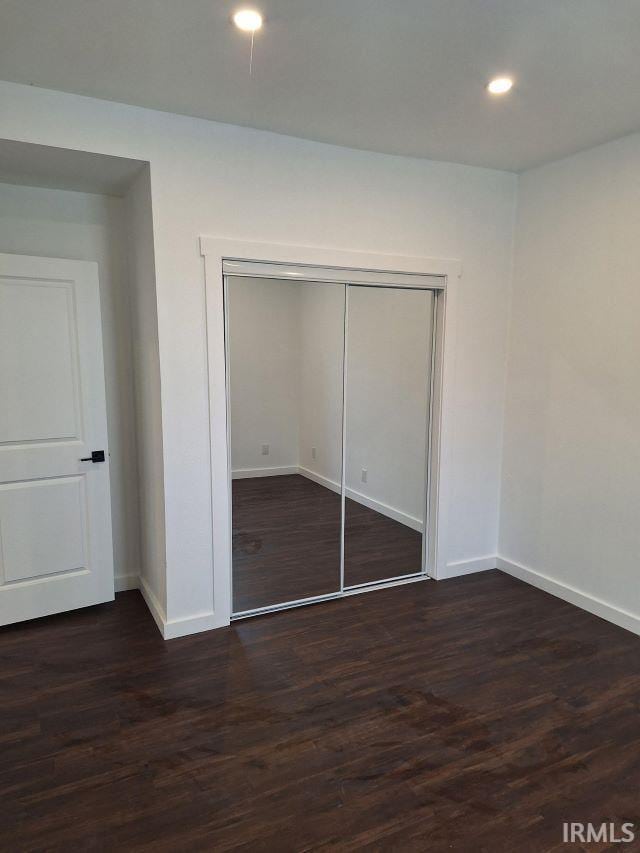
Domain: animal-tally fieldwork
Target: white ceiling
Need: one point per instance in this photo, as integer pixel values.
(399, 76)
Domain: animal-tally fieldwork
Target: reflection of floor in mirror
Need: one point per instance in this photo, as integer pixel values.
(377, 547)
(286, 542)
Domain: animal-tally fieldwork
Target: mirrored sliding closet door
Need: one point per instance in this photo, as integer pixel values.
(329, 387)
(285, 348)
(387, 392)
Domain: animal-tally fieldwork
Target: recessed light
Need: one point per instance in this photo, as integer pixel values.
(500, 85)
(248, 20)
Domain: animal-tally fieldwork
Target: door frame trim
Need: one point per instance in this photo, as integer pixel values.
(216, 250)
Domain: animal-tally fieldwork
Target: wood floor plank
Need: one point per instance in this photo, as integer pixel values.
(473, 714)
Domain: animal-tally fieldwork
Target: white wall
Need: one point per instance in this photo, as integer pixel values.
(146, 378)
(208, 178)
(80, 226)
(571, 480)
(264, 357)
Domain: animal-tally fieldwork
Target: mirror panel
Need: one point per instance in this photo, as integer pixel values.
(388, 379)
(285, 342)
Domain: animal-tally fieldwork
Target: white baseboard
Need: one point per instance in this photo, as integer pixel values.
(125, 582)
(468, 567)
(597, 606)
(156, 609)
(246, 473)
(358, 497)
(173, 628)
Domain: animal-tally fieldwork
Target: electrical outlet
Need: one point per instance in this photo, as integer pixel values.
(265, 449)
(314, 452)
(364, 475)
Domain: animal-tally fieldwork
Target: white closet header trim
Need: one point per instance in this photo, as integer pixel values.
(303, 272)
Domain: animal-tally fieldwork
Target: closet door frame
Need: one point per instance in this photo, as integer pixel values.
(348, 267)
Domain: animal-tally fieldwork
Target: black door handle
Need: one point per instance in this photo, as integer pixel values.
(96, 456)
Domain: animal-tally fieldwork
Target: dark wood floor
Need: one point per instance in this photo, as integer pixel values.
(475, 714)
(286, 542)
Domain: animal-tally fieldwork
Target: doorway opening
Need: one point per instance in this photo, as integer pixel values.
(333, 383)
(80, 362)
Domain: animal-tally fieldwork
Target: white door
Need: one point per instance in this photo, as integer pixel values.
(55, 511)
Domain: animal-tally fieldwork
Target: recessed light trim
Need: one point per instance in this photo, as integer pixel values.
(247, 20)
(500, 85)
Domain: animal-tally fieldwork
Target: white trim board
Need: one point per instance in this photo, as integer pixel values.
(603, 609)
(227, 248)
(171, 629)
(156, 609)
(468, 567)
(124, 582)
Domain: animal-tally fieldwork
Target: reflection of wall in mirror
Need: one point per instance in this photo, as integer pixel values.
(388, 378)
(321, 355)
(263, 359)
(285, 353)
(286, 348)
